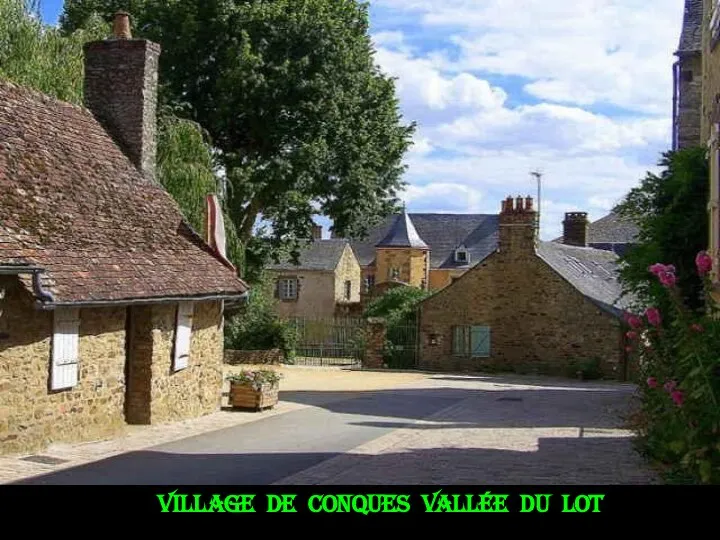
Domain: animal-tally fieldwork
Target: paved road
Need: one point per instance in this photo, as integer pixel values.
(445, 430)
(265, 451)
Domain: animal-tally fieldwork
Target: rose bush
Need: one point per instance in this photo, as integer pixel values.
(679, 363)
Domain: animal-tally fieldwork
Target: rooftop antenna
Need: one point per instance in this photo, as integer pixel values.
(537, 174)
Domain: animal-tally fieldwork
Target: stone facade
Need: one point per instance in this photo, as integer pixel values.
(31, 416)
(121, 78)
(348, 270)
(538, 321)
(168, 396)
(234, 358)
(412, 265)
(101, 404)
(689, 105)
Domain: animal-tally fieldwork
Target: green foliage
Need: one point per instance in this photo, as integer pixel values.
(679, 422)
(588, 369)
(673, 226)
(256, 378)
(38, 56)
(398, 305)
(44, 58)
(303, 119)
(258, 327)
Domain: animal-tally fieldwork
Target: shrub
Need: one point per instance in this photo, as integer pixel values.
(679, 422)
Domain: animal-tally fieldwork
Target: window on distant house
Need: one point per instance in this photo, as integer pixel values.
(369, 283)
(461, 256)
(471, 341)
(287, 289)
(348, 290)
(394, 273)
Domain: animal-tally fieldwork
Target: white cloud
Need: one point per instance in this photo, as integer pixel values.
(443, 198)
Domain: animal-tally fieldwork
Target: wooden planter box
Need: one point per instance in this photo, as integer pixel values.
(246, 397)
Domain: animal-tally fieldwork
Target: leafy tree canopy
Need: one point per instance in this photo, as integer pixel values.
(303, 120)
(670, 210)
(398, 305)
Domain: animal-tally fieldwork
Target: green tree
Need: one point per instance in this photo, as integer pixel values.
(303, 119)
(398, 305)
(39, 56)
(670, 210)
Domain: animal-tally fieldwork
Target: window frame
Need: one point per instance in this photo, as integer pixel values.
(287, 286)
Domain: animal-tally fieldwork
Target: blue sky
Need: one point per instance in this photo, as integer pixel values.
(580, 90)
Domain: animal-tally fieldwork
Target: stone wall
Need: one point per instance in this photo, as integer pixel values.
(190, 392)
(316, 294)
(376, 333)
(412, 264)
(348, 269)
(31, 416)
(690, 101)
(538, 322)
(273, 356)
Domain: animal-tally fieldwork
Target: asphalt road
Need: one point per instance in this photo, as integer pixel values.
(267, 450)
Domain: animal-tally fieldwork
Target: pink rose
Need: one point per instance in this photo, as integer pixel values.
(703, 261)
(652, 382)
(653, 316)
(631, 335)
(670, 386)
(656, 268)
(677, 397)
(628, 349)
(696, 327)
(633, 320)
(667, 279)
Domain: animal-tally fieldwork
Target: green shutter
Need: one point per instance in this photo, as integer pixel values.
(480, 341)
(458, 341)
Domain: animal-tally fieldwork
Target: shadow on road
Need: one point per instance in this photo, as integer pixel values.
(555, 461)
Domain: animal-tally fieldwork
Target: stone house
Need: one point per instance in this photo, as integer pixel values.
(111, 308)
(611, 232)
(688, 79)
(528, 306)
(710, 121)
(423, 250)
(324, 283)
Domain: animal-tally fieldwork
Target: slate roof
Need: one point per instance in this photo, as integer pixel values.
(75, 205)
(402, 234)
(691, 35)
(442, 233)
(322, 255)
(610, 229)
(591, 271)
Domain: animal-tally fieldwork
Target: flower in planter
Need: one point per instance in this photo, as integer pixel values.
(257, 378)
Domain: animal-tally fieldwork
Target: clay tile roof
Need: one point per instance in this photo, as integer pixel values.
(73, 204)
(691, 35)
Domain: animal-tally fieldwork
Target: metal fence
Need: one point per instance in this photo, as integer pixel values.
(401, 350)
(329, 342)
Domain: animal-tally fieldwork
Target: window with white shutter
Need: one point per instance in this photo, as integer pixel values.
(183, 334)
(66, 338)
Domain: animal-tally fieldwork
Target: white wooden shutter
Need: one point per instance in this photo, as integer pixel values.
(183, 333)
(66, 337)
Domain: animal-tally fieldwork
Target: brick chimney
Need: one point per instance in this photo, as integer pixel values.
(317, 232)
(517, 225)
(121, 79)
(575, 229)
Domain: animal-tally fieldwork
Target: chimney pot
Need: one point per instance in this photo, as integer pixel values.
(121, 25)
(528, 203)
(519, 204)
(317, 232)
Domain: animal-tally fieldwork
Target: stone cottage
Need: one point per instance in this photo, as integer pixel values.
(324, 283)
(529, 306)
(111, 306)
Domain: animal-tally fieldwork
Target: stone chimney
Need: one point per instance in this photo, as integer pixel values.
(317, 232)
(575, 229)
(517, 225)
(121, 80)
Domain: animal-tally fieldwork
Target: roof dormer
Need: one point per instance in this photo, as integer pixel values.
(462, 255)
